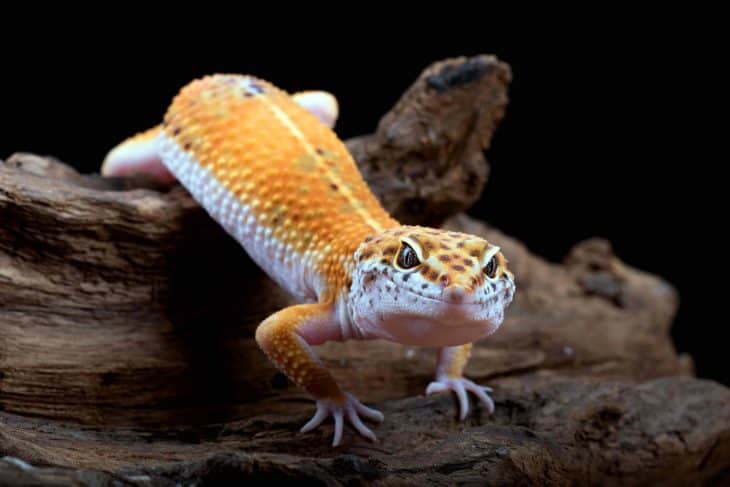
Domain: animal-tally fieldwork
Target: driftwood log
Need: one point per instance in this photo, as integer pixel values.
(127, 354)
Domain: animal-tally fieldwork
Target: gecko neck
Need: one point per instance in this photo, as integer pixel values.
(348, 325)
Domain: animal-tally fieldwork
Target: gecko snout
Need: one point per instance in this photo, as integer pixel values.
(454, 294)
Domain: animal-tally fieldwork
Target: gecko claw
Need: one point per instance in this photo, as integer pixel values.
(460, 386)
(351, 409)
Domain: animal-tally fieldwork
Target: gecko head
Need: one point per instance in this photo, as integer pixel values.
(429, 287)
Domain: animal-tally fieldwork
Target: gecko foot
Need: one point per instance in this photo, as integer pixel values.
(350, 409)
(460, 385)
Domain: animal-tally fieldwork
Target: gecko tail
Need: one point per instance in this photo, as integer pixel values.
(138, 154)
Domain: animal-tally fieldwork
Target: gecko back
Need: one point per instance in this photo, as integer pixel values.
(274, 177)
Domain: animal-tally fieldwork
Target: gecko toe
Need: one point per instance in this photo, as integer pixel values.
(317, 419)
(368, 413)
(339, 427)
(351, 411)
(481, 393)
(460, 386)
(358, 424)
(435, 388)
(463, 399)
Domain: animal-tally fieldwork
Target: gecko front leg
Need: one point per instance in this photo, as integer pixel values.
(449, 377)
(286, 337)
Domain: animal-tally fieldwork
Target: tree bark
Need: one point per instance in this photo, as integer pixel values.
(127, 354)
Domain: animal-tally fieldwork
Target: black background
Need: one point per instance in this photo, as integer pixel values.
(605, 134)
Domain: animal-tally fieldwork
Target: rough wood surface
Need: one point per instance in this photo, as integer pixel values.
(425, 161)
(127, 357)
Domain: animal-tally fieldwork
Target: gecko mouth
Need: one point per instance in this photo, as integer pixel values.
(399, 313)
(490, 298)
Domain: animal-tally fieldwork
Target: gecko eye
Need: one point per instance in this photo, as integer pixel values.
(407, 257)
(491, 268)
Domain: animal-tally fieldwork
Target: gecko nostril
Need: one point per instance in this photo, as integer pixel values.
(454, 294)
(444, 280)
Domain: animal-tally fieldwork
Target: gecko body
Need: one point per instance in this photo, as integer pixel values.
(281, 183)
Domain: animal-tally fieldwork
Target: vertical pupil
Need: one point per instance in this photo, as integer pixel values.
(491, 268)
(407, 257)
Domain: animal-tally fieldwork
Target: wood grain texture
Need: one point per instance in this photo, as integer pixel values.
(127, 354)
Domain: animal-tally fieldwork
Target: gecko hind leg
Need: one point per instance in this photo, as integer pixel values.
(286, 337)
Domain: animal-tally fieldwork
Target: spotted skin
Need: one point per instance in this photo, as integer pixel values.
(283, 185)
(139, 154)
